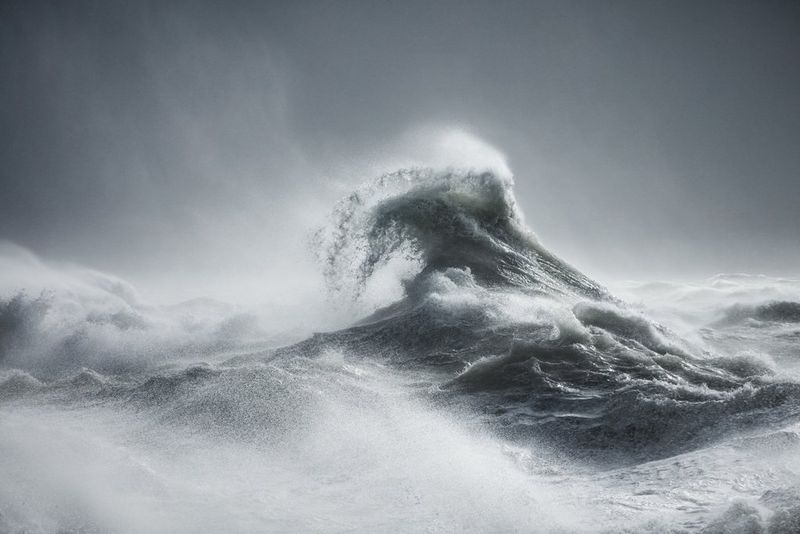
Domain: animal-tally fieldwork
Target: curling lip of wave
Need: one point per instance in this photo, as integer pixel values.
(463, 220)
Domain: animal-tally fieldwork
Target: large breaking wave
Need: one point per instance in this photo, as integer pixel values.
(502, 390)
(539, 347)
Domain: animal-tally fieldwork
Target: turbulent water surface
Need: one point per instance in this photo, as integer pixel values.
(503, 391)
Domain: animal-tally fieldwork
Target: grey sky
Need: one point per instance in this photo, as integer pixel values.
(648, 139)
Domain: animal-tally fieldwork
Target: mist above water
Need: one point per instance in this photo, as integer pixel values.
(399, 267)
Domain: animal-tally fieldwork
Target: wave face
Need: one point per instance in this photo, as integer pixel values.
(503, 390)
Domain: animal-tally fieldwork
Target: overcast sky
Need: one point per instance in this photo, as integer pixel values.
(164, 141)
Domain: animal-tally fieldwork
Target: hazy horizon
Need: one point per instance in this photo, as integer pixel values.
(199, 143)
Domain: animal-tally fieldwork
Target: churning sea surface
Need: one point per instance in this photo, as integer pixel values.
(503, 391)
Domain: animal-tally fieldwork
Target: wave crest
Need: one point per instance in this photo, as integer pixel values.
(441, 220)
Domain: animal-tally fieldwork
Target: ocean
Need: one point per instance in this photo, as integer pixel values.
(501, 391)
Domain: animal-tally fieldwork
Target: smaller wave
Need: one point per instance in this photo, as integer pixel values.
(70, 318)
(776, 512)
(15, 383)
(628, 325)
(55, 333)
(773, 312)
